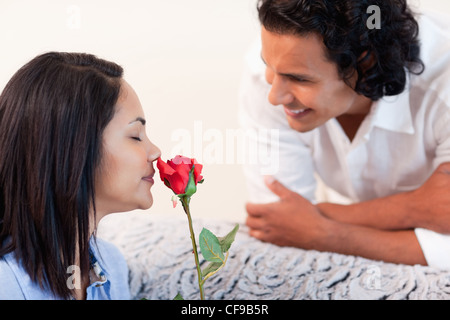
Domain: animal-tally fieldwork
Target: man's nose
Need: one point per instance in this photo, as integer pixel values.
(280, 93)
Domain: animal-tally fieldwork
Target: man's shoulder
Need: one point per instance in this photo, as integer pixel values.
(435, 50)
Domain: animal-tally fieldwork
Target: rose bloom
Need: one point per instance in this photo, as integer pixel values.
(175, 173)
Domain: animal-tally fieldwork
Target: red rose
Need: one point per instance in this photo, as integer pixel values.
(176, 174)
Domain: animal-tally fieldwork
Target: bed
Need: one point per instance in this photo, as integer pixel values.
(161, 264)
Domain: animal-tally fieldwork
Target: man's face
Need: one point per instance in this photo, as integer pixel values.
(305, 83)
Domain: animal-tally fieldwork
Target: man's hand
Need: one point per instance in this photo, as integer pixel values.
(292, 221)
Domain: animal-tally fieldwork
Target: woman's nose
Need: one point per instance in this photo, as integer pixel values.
(154, 153)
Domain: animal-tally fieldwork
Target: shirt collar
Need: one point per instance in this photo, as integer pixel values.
(394, 113)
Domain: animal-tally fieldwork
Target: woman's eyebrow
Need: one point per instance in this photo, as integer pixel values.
(141, 120)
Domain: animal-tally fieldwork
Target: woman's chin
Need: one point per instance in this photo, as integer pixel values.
(147, 204)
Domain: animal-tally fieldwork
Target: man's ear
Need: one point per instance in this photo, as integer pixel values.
(366, 60)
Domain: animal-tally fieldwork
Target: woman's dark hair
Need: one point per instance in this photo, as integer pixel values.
(390, 51)
(53, 112)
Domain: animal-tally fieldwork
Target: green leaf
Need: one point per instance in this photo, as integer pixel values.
(225, 242)
(178, 297)
(211, 267)
(210, 246)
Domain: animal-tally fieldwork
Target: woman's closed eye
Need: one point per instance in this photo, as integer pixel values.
(136, 138)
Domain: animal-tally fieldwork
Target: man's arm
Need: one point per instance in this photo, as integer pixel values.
(294, 221)
(427, 207)
(399, 246)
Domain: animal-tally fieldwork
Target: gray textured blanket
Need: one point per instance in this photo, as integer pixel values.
(159, 254)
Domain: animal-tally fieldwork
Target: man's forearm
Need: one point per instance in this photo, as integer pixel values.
(427, 207)
(379, 229)
(389, 213)
(390, 246)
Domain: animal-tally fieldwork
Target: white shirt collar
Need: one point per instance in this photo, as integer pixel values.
(393, 113)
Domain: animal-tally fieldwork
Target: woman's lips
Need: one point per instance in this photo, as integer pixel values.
(149, 178)
(297, 114)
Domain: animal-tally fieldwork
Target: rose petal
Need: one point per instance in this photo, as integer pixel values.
(197, 171)
(176, 182)
(181, 159)
(183, 174)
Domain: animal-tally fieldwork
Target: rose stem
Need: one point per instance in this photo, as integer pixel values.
(185, 202)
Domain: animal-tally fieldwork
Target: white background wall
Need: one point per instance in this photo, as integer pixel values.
(184, 59)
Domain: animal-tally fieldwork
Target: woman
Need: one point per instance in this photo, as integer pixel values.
(73, 149)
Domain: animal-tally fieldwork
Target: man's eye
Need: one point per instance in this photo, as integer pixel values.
(136, 138)
(297, 79)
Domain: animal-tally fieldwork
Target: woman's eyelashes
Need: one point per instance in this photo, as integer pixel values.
(136, 138)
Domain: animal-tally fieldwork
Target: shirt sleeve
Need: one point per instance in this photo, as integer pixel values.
(271, 146)
(442, 136)
(436, 246)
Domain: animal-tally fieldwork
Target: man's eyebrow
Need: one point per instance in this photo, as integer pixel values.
(297, 76)
(291, 75)
(140, 119)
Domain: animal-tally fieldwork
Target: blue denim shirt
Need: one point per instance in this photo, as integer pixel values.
(111, 283)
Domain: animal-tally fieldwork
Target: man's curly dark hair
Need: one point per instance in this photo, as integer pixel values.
(391, 51)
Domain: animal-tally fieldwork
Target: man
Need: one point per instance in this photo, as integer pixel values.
(364, 109)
